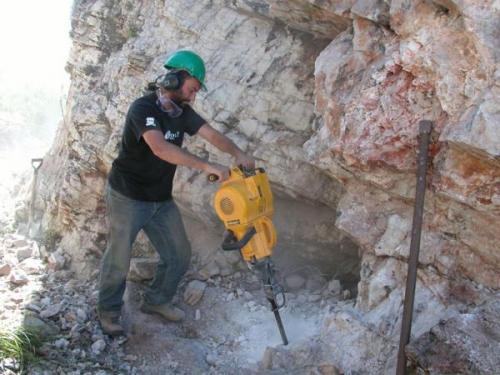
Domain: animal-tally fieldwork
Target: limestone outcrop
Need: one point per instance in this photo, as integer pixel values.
(327, 96)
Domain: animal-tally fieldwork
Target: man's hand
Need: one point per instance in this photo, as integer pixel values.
(221, 171)
(225, 144)
(245, 160)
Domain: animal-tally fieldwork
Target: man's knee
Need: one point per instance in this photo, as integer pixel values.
(115, 266)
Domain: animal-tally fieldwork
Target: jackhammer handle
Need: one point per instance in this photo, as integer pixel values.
(250, 171)
(230, 243)
(212, 177)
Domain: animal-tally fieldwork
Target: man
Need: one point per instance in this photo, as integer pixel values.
(139, 193)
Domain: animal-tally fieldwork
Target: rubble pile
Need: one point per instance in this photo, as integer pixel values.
(229, 325)
(39, 293)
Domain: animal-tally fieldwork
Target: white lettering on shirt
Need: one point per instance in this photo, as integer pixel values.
(171, 136)
(150, 121)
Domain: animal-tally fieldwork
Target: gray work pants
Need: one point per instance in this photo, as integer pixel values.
(162, 223)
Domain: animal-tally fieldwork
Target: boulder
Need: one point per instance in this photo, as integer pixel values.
(142, 269)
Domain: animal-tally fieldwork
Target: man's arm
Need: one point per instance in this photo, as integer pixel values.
(176, 155)
(224, 144)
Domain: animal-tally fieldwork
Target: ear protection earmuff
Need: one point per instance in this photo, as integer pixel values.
(153, 86)
(173, 80)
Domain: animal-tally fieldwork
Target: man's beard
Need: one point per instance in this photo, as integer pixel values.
(180, 99)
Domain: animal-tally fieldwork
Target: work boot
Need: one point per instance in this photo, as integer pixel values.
(110, 323)
(166, 311)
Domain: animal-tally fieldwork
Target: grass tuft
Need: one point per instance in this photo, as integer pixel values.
(20, 345)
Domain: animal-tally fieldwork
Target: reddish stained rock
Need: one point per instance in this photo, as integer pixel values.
(379, 124)
(468, 179)
(333, 118)
(370, 105)
(437, 48)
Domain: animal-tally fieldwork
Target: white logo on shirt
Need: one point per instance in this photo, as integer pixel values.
(171, 136)
(150, 121)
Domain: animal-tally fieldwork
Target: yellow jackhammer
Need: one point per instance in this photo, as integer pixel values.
(244, 203)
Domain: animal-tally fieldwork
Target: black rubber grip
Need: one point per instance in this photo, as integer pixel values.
(230, 243)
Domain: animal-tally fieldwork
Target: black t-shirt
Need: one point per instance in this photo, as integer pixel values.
(138, 173)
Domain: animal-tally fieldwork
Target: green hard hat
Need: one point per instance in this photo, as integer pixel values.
(188, 61)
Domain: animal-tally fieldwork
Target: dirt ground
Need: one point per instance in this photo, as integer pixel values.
(227, 332)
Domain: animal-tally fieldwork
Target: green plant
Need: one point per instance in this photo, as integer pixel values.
(20, 345)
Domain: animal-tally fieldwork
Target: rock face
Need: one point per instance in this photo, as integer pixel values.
(327, 95)
(452, 341)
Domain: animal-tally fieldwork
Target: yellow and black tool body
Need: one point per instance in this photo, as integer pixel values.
(244, 203)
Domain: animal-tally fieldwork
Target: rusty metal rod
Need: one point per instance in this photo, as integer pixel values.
(425, 128)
